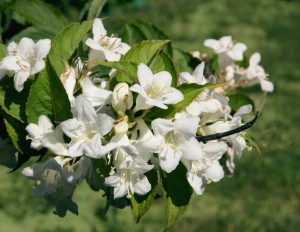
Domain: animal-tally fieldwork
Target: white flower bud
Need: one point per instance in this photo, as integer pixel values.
(121, 128)
(122, 98)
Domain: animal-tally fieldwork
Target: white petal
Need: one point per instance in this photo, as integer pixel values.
(25, 46)
(196, 183)
(93, 147)
(162, 126)
(198, 72)
(157, 103)
(191, 149)
(97, 96)
(186, 77)
(142, 186)
(145, 75)
(212, 43)
(10, 63)
(19, 79)
(98, 29)
(240, 46)
(169, 159)
(111, 56)
(246, 109)
(214, 150)
(55, 143)
(238, 145)
(113, 180)
(215, 172)
(104, 123)
(94, 44)
(42, 48)
(33, 130)
(71, 127)
(120, 191)
(235, 55)
(172, 96)
(37, 67)
(266, 85)
(124, 48)
(84, 109)
(163, 78)
(45, 124)
(254, 59)
(187, 126)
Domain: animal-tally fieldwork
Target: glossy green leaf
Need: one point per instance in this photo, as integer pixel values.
(11, 101)
(65, 44)
(133, 34)
(184, 61)
(41, 15)
(237, 100)
(190, 92)
(176, 192)
(95, 8)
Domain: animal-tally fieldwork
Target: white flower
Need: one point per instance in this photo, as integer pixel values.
(178, 141)
(97, 96)
(25, 59)
(196, 77)
(255, 71)
(227, 50)
(43, 134)
(154, 89)
(104, 47)
(207, 168)
(236, 141)
(86, 130)
(122, 98)
(129, 177)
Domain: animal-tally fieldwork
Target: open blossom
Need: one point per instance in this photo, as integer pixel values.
(228, 51)
(207, 168)
(105, 47)
(255, 73)
(129, 176)
(178, 141)
(154, 89)
(43, 134)
(86, 130)
(25, 59)
(196, 77)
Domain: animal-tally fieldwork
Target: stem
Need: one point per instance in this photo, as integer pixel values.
(216, 136)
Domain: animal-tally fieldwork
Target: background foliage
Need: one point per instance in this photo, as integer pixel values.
(264, 193)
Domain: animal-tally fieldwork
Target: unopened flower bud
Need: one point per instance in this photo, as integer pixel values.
(122, 98)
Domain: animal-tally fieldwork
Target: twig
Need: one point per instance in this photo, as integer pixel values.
(216, 136)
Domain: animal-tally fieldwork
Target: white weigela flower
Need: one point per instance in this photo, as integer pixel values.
(43, 134)
(207, 168)
(97, 96)
(178, 141)
(122, 98)
(154, 89)
(196, 77)
(105, 47)
(255, 72)
(86, 130)
(129, 177)
(227, 50)
(25, 59)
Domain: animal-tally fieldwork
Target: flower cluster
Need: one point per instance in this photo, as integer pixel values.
(121, 130)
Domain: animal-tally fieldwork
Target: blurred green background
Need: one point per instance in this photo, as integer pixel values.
(264, 193)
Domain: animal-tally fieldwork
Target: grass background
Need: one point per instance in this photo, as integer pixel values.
(263, 195)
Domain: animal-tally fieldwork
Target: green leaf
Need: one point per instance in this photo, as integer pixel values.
(237, 100)
(39, 100)
(48, 97)
(2, 51)
(176, 192)
(133, 34)
(184, 61)
(189, 91)
(143, 52)
(11, 101)
(65, 44)
(164, 63)
(128, 70)
(41, 15)
(141, 204)
(95, 9)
